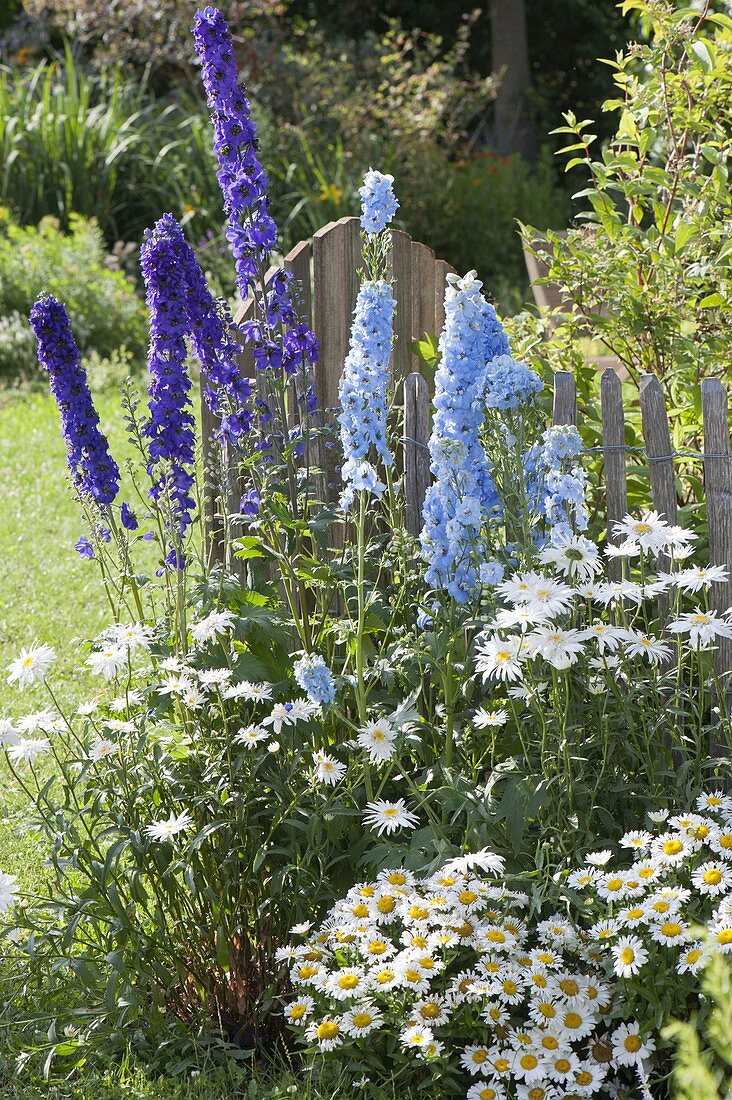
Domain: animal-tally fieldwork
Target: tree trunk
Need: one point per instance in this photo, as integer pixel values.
(515, 125)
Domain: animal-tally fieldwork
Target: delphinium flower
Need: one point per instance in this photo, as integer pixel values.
(362, 392)
(226, 390)
(170, 429)
(378, 202)
(463, 494)
(315, 678)
(509, 384)
(365, 379)
(556, 483)
(94, 472)
(279, 340)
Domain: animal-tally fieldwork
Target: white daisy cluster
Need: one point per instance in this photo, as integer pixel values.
(432, 961)
(570, 611)
(680, 879)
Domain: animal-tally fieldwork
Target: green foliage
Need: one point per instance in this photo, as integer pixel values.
(650, 272)
(105, 310)
(703, 1064)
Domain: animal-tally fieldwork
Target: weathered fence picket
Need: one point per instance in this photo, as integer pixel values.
(327, 273)
(613, 442)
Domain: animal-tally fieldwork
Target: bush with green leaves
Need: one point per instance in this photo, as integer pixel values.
(106, 308)
(703, 1063)
(649, 273)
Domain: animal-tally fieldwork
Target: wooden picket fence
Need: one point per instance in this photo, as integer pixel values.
(327, 270)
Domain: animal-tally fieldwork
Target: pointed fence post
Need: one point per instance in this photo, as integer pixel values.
(660, 461)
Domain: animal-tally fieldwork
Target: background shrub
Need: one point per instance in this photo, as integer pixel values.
(104, 308)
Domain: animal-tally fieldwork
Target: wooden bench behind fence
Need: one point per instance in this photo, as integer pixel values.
(327, 270)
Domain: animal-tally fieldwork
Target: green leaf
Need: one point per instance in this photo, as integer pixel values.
(712, 300)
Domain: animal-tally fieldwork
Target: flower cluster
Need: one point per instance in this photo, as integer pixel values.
(509, 384)
(225, 388)
(676, 878)
(251, 230)
(170, 429)
(463, 494)
(94, 472)
(315, 678)
(555, 482)
(378, 202)
(363, 391)
(556, 617)
(431, 961)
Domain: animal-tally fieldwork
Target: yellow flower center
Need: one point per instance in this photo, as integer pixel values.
(418, 912)
(362, 1019)
(429, 1011)
(396, 878)
(725, 841)
(633, 1043)
(548, 1011)
(671, 929)
(614, 884)
(297, 1011)
(360, 910)
(496, 936)
(510, 987)
(627, 955)
(306, 972)
(672, 847)
(549, 1042)
(528, 1061)
(385, 904)
(377, 947)
(348, 981)
(412, 975)
(712, 877)
(467, 897)
(573, 1020)
(569, 986)
(385, 976)
(501, 1065)
(479, 1057)
(693, 956)
(724, 937)
(562, 1065)
(583, 1077)
(328, 1029)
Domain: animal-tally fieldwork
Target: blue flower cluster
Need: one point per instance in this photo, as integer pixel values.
(170, 429)
(362, 391)
(556, 484)
(378, 202)
(509, 383)
(94, 472)
(462, 495)
(315, 678)
(280, 341)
